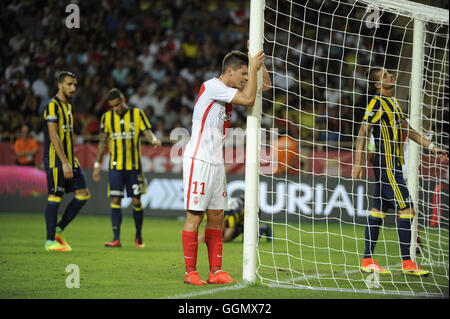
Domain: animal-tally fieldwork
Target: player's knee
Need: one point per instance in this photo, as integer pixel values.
(193, 220)
(116, 200)
(377, 214)
(136, 202)
(407, 213)
(83, 195)
(54, 199)
(214, 219)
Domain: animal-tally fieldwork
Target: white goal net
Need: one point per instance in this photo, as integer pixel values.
(318, 54)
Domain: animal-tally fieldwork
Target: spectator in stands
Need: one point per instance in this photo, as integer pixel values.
(146, 58)
(159, 129)
(186, 117)
(176, 34)
(141, 99)
(120, 73)
(40, 87)
(25, 148)
(13, 68)
(158, 102)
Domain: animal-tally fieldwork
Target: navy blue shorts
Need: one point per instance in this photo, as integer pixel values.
(130, 183)
(390, 191)
(58, 185)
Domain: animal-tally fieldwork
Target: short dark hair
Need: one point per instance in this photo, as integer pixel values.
(235, 59)
(63, 74)
(372, 79)
(114, 94)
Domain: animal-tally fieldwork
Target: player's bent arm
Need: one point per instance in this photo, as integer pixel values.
(419, 139)
(414, 135)
(247, 96)
(152, 138)
(267, 84)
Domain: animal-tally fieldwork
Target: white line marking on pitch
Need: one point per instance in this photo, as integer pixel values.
(205, 292)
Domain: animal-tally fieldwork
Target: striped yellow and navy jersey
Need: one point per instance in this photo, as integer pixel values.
(60, 113)
(386, 117)
(233, 218)
(124, 132)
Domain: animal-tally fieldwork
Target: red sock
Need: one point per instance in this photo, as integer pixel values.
(213, 239)
(190, 248)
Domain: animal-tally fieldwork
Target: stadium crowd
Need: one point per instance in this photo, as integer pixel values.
(159, 52)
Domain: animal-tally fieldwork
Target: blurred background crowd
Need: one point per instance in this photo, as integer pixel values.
(159, 52)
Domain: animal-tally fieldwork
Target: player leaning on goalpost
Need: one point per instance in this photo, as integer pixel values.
(385, 117)
(204, 178)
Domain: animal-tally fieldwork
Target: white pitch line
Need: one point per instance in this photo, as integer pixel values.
(297, 286)
(205, 292)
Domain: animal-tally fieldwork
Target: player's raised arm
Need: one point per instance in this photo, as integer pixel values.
(56, 142)
(421, 140)
(247, 96)
(267, 83)
(146, 129)
(364, 132)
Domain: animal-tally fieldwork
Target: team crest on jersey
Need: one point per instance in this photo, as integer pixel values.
(370, 114)
(223, 114)
(196, 200)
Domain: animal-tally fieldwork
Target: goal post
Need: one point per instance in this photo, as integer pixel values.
(253, 147)
(415, 116)
(317, 55)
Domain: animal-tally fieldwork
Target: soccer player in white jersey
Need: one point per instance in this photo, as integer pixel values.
(205, 187)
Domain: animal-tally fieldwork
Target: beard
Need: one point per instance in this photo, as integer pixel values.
(67, 96)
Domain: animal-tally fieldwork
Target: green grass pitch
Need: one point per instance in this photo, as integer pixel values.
(27, 271)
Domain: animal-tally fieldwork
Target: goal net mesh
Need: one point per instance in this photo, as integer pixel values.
(317, 55)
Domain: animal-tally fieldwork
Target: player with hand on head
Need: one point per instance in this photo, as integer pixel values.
(123, 126)
(205, 187)
(384, 117)
(64, 172)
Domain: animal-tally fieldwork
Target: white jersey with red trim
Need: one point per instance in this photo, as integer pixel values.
(212, 113)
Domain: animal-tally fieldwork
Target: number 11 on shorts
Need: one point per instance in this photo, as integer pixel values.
(202, 185)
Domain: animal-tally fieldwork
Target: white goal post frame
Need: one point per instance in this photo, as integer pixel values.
(421, 14)
(252, 151)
